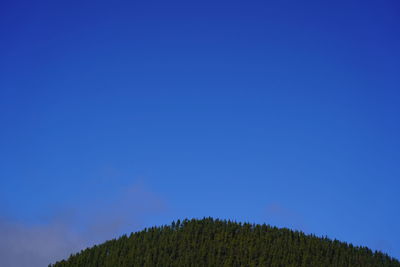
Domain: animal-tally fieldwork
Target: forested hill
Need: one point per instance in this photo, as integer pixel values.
(210, 242)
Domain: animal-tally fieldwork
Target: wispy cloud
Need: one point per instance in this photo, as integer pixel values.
(76, 228)
(279, 214)
(36, 245)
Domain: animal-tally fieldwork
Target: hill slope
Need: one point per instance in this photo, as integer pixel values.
(210, 242)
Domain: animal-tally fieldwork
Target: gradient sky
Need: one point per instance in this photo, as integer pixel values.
(116, 116)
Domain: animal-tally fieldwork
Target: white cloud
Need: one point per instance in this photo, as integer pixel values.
(34, 245)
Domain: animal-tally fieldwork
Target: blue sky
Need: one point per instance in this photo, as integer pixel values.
(117, 115)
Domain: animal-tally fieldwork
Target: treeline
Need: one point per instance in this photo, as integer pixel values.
(213, 242)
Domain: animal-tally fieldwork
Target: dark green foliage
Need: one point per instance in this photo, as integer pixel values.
(210, 242)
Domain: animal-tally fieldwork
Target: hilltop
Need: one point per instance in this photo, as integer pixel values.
(214, 242)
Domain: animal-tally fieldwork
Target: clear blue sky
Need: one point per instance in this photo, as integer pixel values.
(284, 112)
